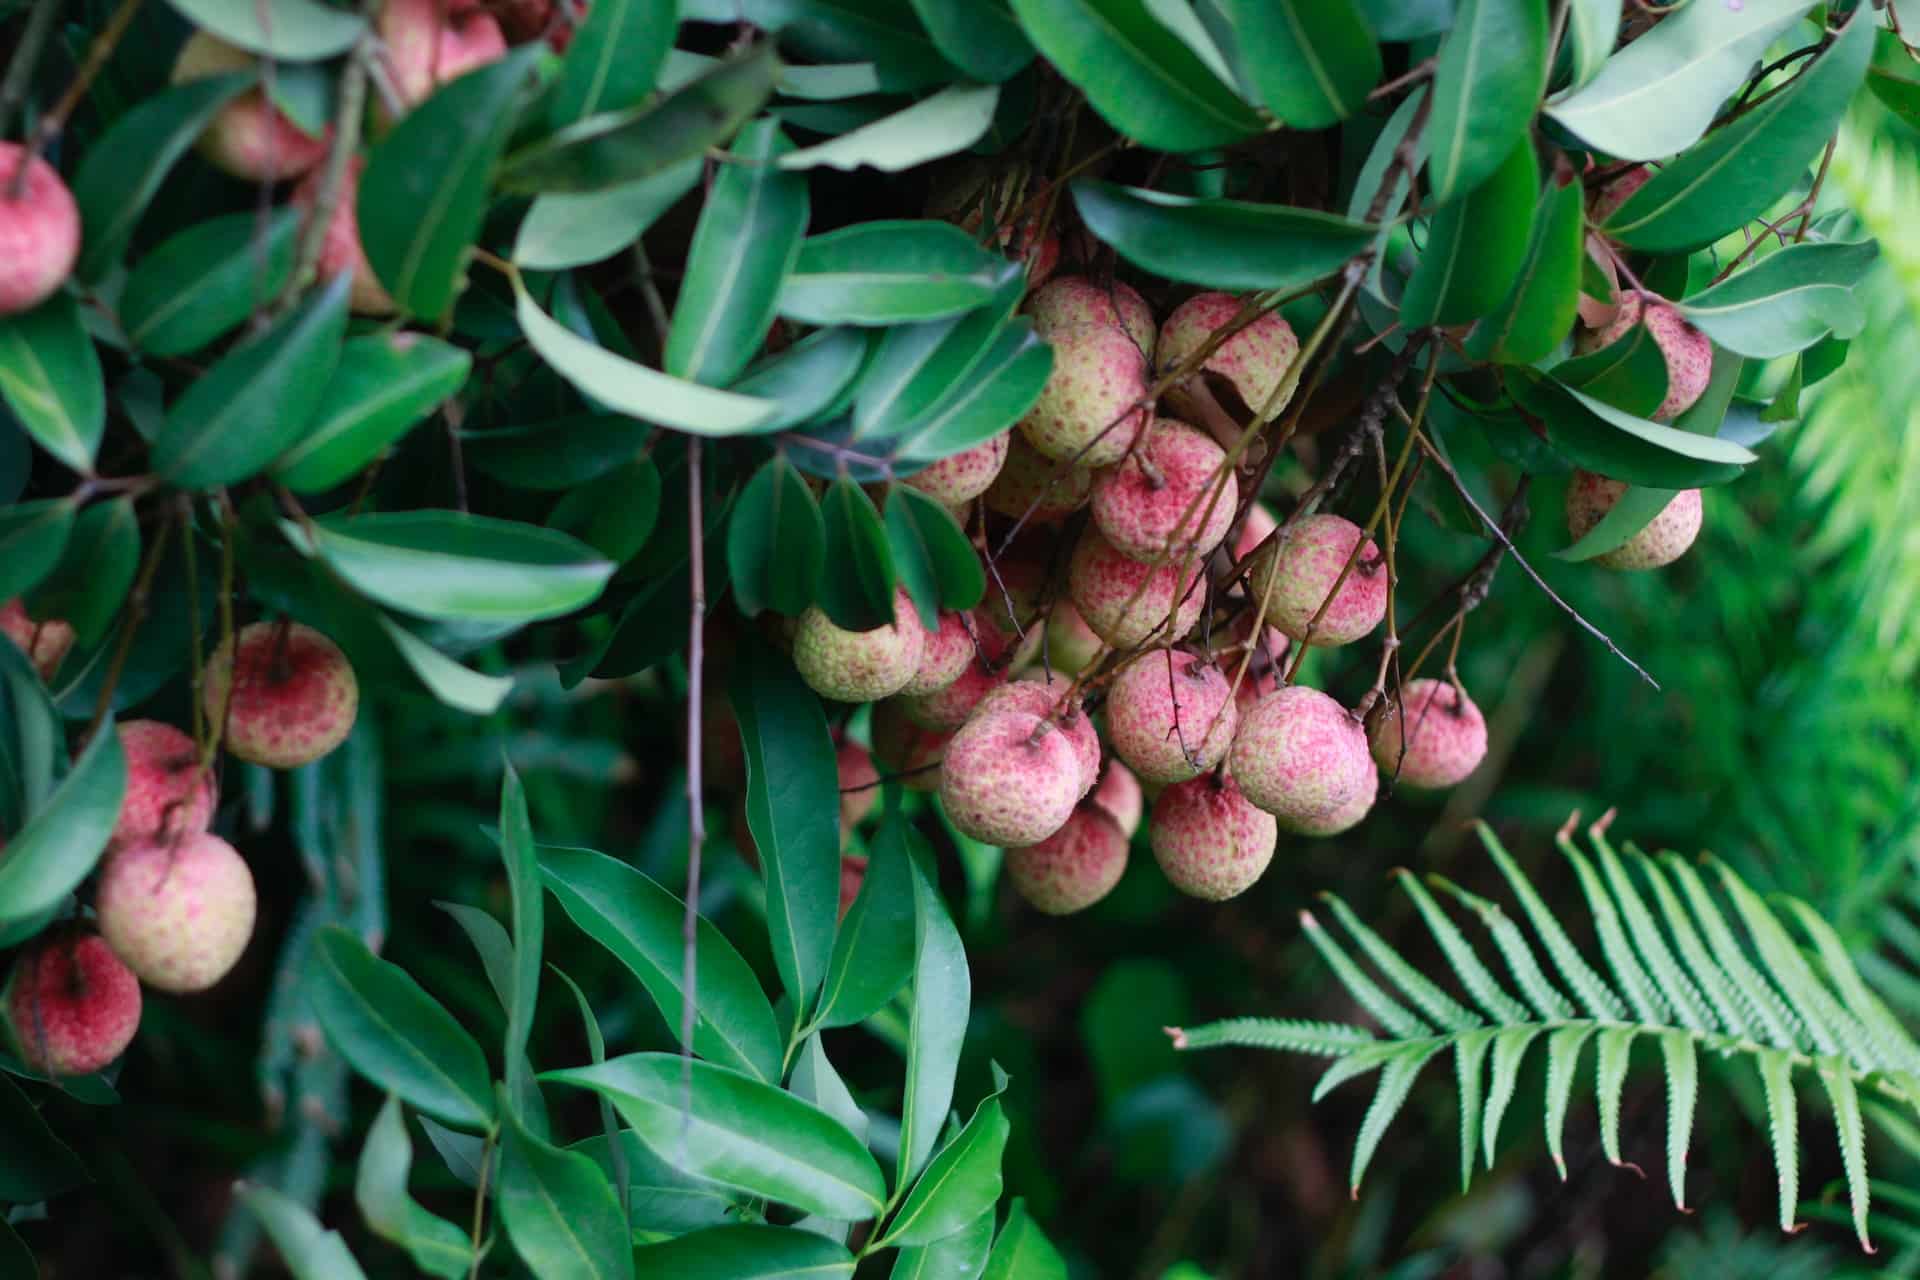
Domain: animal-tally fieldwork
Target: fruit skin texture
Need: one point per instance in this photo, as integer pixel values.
(168, 794)
(858, 794)
(1089, 411)
(341, 250)
(945, 710)
(1688, 352)
(1026, 487)
(39, 233)
(1118, 792)
(859, 666)
(1254, 360)
(71, 1005)
(45, 642)
(179, 914)
(1446, 736)
(1162, 496)
(1102, 582)
(424, 53)
(1310, 557)
(1009, 779)
(1047, 699)
(904, 749)
(1259, 523)
(1074, 867)
(250, 138)
(294, 699)
(1209, 839)
(1299, 755)
(1071, 643)
(1072, 301)
(965, 475)
(1665, 538)
(945, 655)
(1168, 704)
(1347, 816)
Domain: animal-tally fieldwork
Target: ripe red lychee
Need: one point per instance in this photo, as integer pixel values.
(859, 786)
(860, 666)
(1034, 487)
(341, 249)
(423, 52)
(945, 654)
(965, 475)
(1255, 360)
(1009, 779)
(39, 231)
(1071, 643)
(904, 750)
(1445, 736)
(45, 641)
(1051, 698)
(1665, 538)
(1208, 839)
(71, 1005)
(179, 913)
(294, 698)
(168, 794)
(1074, 867)
(853, 873)
(1688, 352)
(249, 138)
(1092, 406)
(1347, 816)
(1169, 716)
(1127, 602)
(1311, 556)
(1118, 792)
(1164, 496)
(1299, 755)
(1071, 302)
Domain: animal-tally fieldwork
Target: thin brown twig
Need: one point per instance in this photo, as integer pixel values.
(55, 120)
(135, 614)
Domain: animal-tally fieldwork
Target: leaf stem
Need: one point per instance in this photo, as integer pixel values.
(480, 1201)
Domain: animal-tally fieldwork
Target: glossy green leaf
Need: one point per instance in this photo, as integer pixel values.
(776, 543)
(947, 123)
(874, 949)
(527, 904)
(49, 857)
(937, 564)
(562, 453)
(960, 1256)
(961, 1183)
(1709, 412)
(1023, 1251)
(747, 1252)
(995, 394)
(1475, 248)
(1629, 374)
(290, 30)
(455, 686)
(1600, 438)
(942, 997)
(436, 1246)
(1787, 301)
(813, 1077)
(1634, 510)
(614, 513)
(1314, 60)
(34, 1164)
(614, 58)
(310, 1251)
(559, 1210)
(206, 280)
(50, 377)
(95, 571)
(1486, 87)
(1593, 27)
(1539, 311)
(32, 536)
(1220, 244)
(917, 365)
(384, 385)
(563, 231)
(1894, 77)
(881, 273)
(856, 591)
(809, 380)
(982, 39)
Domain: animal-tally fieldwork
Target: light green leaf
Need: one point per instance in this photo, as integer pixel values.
(1683, 1090)
(1787, 301)
(880, 273)
(948, 122)
(1563, 1061)
(942, 996)
(456, 686)
(961, 1183)
(436, 1246)
(1485, 90)
(1023, 1251)
(309, 1250)
(50, 377)
(1220, 244)
(562, 231)
(747, 1252)
(614, 58)
(960, 1256)
(1593, 26)
(290, 30)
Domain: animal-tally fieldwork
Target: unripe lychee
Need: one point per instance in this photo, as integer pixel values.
(1009, 779)
(1118, 792)
(1445, 736)
(1071, 302)
(168, 794)
(341, 249)
(859, 786)
(1034, 487)
(45, 641)
(1299, 755)
(1255, 360)
(424, 52)
(1665, 538)
(860, 666)
(965, 475)
(39, 232)
(904, 750)
(853, 873)
(1208, 839)
(1051, 698)
(249, 138)
(294, 699)
(945, 654)
(1164, 496)
(1074, 867)
(1347, 816)
(1311, 556)
(1688, 352)
(1093, 404)
(178, 913)
(71, 1005)
(1170, 717)
(1071, 643)
(1127, 602)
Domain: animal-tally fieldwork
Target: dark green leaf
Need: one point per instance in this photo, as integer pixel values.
(380, 1190)
(290, 30)
(1314, 60)
(810, 379)
(1600, 438)
(881, 32)
(1023, 1251)
(529, 932)
(559, 1210)
(960, 1256)
(48, 858)
(563, 231)
(996, 393)
(32, 535)
(614, 513)
(982, 39)
(1539, 312)
(207, 279)
(1894, 77)
(937, 564)
(383, 385)
(888, 273)
(918, 365)
(1629, 374)
(948, 122)
(776, 543)
(1485, 90)
(856, 591)
(558, 454)
(50, 377)
(659, 1196)
(1398, 21)
(95, 571)
(614, 59)
(1787, 301)
(1221, 244)
(942, 997)
(1634, 510)
(746, 1252)
(873, 953)
(960, 1184)
(34, 1164)
(310, 1251)
(1476, 247)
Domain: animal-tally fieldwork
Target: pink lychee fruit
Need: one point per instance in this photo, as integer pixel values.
(1170, 716)
(1664, 539)
(341, 249)
(1347, 816)
(249, 138)
(859, 786)
(947, 709)
(424, 52)
(1616, 192)
(294, 694)
(1094, 400)
(1262, 678)
(1127, 602)
(1071, 644)
(45, 641)
(1033, 487)
(1074, 867)
(1255, 360)
(1254, 530)
(1118, 792)
(1009, 779)
(39, 231)
(1444, 736)
(1071, 302)
(168, 794)
(1311, 557)
(1688, 352)
(1051, 698)
(1168, 495)
(178, 913)
(1209, 839)
(853, 873)
(1299, 754)
(965, 475)
(945, 655)
(860, 666)
(71, 1005)
(904, 750)
(551, 20)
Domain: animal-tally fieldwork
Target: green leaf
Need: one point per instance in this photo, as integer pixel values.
(996, 393)
(614, 59)
(1219, 244)
(1539, 312)
(614, 513)
(1601, 438)
(947, 123)
(960, 1184)
(436, 1246)
(1023, 1251)
(34, 1164)
(1314, 61)
(290, 30)
(942, 996)
(562, 453)
(1683, 1089)
(1396, 1082)
(814, 1079)
(1563, 1061)
(559, 1210)
(937, 564)
(1633, 512)
(881, 32)
(1737, 171)
(738, 1132)
(640, 923)
(396, 1035)
(207, 279)
(310, 1251)
(746, 1252)
(960, 1256)
(563, 231)
(1476, 247)
(1509, 1051)
(455, 686)
(984, 40)
(856, 591)
(1469, 1064)
(55, 851)
(529, 928)
(96, 569)
(1486, 87)
(1783, 1125)
(32, 536)
(1629, 374)
(879, 273)
(1894, 77)
(1612, 1052)
(257, 398)
(873, 952)
(746, 242)
(1593, 27)
(383, 386)
(916, 366)
(1787, 301)
(50, 377)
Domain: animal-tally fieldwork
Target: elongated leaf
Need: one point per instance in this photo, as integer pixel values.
(1023, 1251)
(559, 1210)
(529, 929)
(63, 839)
(207, 279)
(383, 385)
(1894, 78)
(1611, 1052)
(50, 377)
(96, 569)
(1632, 512)
(997, 392)
(856, 591)
(744, 1252)
(35, 1165)
(290, 30)
(614, 58)
(810, 379)
(1509, 1051)
(1539, 312)
(456, 686)
(918, 365)
(873, 953)
(776, 542)
(1600, 438)
(1787, 301)
(1783, 1125)
(984, 40)
(881, 273)
(1476, 247)
(1469, 1063)
(942, 996)
(1313, 60)
(1563, 1062)
(960, 1256)
(1396, 1082)
(563, 231)
(1221, 244)
(937, 565)
(436, 1246)
(563, 453)
(1592, 28)
(309, 1250)
(948, 122)
(32, 536)
(1683, 1090)
(1485, 89)
(961, 1183)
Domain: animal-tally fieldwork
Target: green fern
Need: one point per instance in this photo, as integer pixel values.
(1694, 962)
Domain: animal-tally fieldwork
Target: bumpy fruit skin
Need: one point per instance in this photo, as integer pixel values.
(341, 249)
(168, 794)
(1665, 538)
(1071, 643)
(945, 710)
(1310, 557)
(1170, 716)
(1162, 497)
(859, 666)
(179, 914)
(1209, 840)
(249, 138)
(423, 53)
(964, 476)
(904, 750)
(1028, 487)
(39, 232)
(1346, 817)
(1299, 755)
(44, 641)
(858, 789)
(1074, 867)
(1444, 732)
(1254, 360)
(1106, 587)
(1118, 792)
(294, 698)
(71, 1005)
(1048, 698)
(1688, 352)
(945, 655)
(853, 873)
(1090, 410)
(1009, 779)
(1071, 301)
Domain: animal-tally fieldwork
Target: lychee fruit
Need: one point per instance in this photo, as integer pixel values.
(1170, 716)
(1118, 792)
(71, 1004)
(947, 709)
(1253, 530)
(424, 52)
(1444, 736)
(859, 786)
(39, 231)
(860, 666)
(1255, 360)
(168, 794)
(1071, 644)
(1093, 404)
(178, 913)
(945, 654)
(1033, 487)
(1127, 602)
(1074, 867)
(908, 753)
(341, 249)
(1347, 816)
(964, 476)
(1688, 352)
(1010, 779)
(1071, 302)
(249, 138)
(853, 873)
(1311, 556)
(1209, 839)
(1299, 755)
(294, 695)
(45, 641)
(1051, 698)
(1665, 538)
(1167, 496)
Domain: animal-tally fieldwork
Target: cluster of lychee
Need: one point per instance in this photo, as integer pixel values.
(173, 903)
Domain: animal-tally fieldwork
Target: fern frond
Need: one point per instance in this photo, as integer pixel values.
(1325, 1039)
